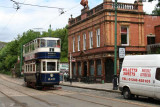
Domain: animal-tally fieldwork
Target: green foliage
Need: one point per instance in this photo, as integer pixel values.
(156, 11)
(9, 54)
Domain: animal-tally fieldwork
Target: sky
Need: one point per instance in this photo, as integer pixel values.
(13, 23)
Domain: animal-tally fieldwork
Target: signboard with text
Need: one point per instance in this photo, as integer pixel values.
(122, 52)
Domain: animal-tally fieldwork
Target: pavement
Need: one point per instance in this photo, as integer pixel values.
(94, 86)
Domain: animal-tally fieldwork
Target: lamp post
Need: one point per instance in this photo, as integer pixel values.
(115, 86)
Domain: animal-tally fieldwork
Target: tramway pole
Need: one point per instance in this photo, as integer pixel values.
(70, 69)
(21, 58)
(115, 86)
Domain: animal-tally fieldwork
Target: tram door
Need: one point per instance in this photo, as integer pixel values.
(109, 70)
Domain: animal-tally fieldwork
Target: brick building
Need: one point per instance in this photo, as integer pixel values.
(91, 38)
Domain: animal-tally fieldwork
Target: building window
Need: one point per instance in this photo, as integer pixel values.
(99, 68)
(74, 69)
(79, 68)
(78, 43)
(91, 40)
(98, 37)
(91, 68)
(73, 44)
(150, 40)
(124, 35)
(84, 41)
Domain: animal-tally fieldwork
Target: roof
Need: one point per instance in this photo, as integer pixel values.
(152, 60)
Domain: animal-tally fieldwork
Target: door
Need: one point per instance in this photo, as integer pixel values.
(109, 70)
(157, 83)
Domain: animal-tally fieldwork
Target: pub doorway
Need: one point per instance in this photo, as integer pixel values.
(85, 69)
(109, 70)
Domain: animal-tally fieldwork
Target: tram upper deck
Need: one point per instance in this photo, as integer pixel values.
(42, 48)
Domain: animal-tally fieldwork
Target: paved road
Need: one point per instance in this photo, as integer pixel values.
(13, 93)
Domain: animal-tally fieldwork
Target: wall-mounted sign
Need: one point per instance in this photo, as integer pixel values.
(122, 52)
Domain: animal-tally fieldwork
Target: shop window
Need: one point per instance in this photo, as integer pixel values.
(79, 68)
(74, 69)
(92, 68)
(124, 35)
(158, 74)
(99, 68)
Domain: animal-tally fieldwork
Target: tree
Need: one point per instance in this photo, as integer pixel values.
(156, 11)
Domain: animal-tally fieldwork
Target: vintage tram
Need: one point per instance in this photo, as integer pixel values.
(41, 62)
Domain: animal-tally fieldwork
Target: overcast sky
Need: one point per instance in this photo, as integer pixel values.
(14, 22)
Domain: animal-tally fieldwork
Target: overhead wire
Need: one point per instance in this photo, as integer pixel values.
(61, 14)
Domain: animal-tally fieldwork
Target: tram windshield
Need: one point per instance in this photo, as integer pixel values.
(51, 43)
(51, 66)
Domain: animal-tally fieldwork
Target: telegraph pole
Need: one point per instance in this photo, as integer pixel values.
(115, 86)
(50, 30)
(70, 69)
(21, 59)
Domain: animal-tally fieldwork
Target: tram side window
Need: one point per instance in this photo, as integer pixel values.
(51, 43)
(44, 66)
(58, 43)
(31, 68)
(38, 43)
(42, 43)
(26, 68)
(57, 65)
(51, 66)
(34, 68)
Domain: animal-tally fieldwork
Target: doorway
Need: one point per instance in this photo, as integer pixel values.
(85, 69)
(109, 70)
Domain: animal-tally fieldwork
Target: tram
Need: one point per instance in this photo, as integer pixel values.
(41, 62)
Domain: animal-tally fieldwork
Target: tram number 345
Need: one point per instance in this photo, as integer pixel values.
(51, 79)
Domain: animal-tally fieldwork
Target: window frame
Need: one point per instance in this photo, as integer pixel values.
(127, 44)
(84, 41)
(79, 42)
(91, 39)
(98, 37)
(73, 44)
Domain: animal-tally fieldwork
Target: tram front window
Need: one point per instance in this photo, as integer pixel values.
(51, 43)
(51, 66)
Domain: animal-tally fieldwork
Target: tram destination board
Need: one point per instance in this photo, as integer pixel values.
(51, 54)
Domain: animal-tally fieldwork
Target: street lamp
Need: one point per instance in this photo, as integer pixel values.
(115, 86)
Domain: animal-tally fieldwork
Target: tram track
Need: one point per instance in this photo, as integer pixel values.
(41, 100)
(84, 94)
(12, 99)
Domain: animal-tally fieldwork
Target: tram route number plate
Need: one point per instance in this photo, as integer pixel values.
(49, 79)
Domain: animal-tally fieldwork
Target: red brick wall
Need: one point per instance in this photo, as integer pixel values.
(157, 32)
(150, 23)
